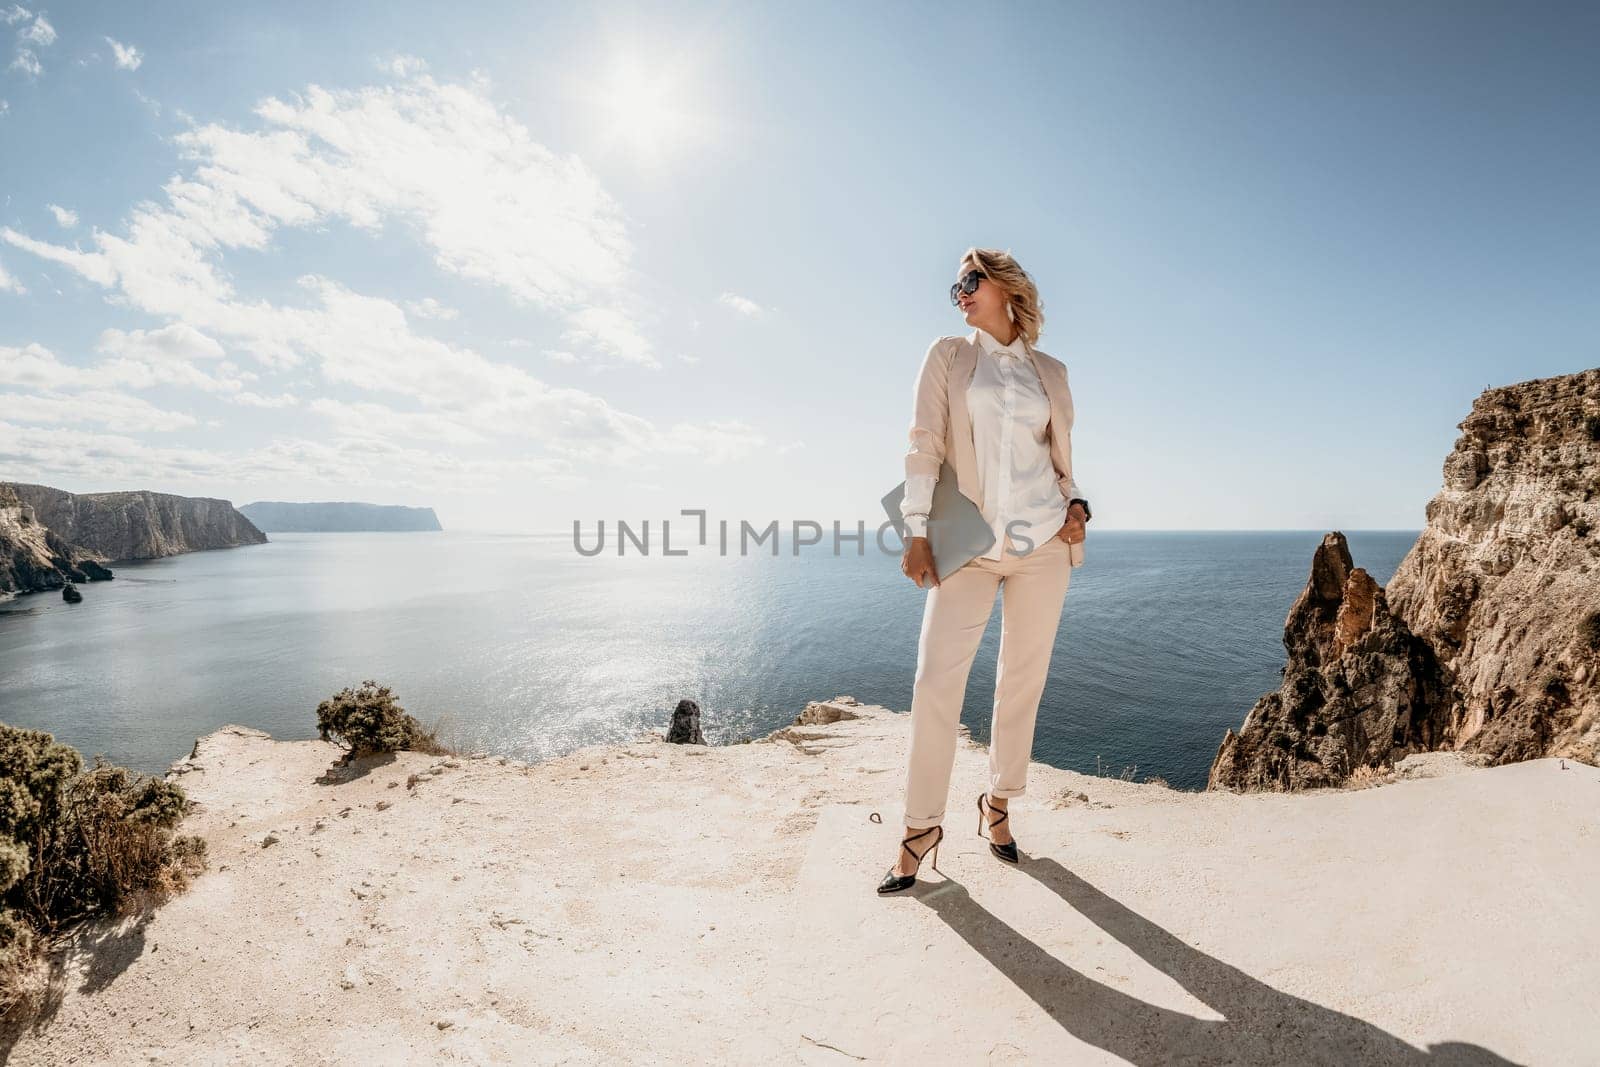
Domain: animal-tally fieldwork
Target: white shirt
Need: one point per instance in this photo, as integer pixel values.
(1017, 482)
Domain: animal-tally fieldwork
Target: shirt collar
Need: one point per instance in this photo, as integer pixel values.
(1018, 346)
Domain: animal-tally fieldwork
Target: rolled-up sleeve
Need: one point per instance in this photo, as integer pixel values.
(914, 506)
(930, 413)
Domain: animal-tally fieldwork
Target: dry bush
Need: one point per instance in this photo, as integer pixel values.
(1102, 769)
(369, 720)
(1364, 777)
(435, 740)
(76, 844)
(130, 857)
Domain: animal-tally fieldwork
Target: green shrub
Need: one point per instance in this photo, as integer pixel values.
(76, 843)
(369, 720)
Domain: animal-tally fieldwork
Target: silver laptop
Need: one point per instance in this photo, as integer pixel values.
(957, 530)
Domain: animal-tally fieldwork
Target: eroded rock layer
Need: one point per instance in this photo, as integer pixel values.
(1504, 582)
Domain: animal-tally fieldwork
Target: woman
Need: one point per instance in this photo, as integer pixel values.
(1000, 411)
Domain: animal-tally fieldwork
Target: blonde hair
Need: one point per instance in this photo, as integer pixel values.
(1022, 296)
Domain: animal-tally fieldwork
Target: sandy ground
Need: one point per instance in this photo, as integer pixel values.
(655, 903)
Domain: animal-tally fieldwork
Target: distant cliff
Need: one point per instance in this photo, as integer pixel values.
(33, 558)
(276, 516)
(138, 524)
(1487, 638)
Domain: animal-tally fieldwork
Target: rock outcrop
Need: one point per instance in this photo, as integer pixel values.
(685, 726)
(276, 516)
(138, 524)
(33, 558)
(1360, 689)
(1504, 582)
(1486, 639)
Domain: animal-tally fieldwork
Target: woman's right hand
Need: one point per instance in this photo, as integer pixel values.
(916, 562)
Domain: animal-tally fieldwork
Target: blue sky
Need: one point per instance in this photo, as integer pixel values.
(531, 263)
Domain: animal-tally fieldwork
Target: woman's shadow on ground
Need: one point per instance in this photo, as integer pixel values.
(1260, 1026)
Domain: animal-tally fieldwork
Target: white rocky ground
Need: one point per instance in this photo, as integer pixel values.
(656, 903)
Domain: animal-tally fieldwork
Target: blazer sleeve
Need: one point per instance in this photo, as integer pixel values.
(1069, 485)
(930, 414)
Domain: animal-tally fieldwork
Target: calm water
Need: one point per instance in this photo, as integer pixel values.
(530, 650)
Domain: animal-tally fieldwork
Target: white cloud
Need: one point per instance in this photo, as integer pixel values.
(610, 331)
(137, 359)
(92, 265)
(719, 441)
(4, 108)
(115, 411)
(178, 343)
(8, 284)
(488, 203)
(247, 398)
(171, 355)
(405, 66)
(494, 205)
(64, 217)
(27, 62)
(126, 56)
(36, 366)
(429, 308)
(46, 453)
(32, 453)
(35, 33)
(743, 305)
(38, 32)
(371, 420)
(364, 342)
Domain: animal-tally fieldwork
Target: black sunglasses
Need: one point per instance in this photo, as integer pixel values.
(968, 284)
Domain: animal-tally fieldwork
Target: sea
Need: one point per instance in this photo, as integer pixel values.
(520, 645)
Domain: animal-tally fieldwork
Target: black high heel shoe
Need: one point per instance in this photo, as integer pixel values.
(1008, 851)
(894, 882)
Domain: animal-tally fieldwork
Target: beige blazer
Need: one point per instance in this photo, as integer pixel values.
(941, 423)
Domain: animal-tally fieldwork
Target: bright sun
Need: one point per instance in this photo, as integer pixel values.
(641, 110)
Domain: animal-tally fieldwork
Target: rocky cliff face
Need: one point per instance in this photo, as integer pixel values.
(1359, 689)
(33, 558)
(1504, 582)
(1487, 638)
(138, 524)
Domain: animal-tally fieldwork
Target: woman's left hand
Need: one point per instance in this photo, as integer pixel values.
(1072, 531)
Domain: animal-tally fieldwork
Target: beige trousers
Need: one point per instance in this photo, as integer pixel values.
(954, 617)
